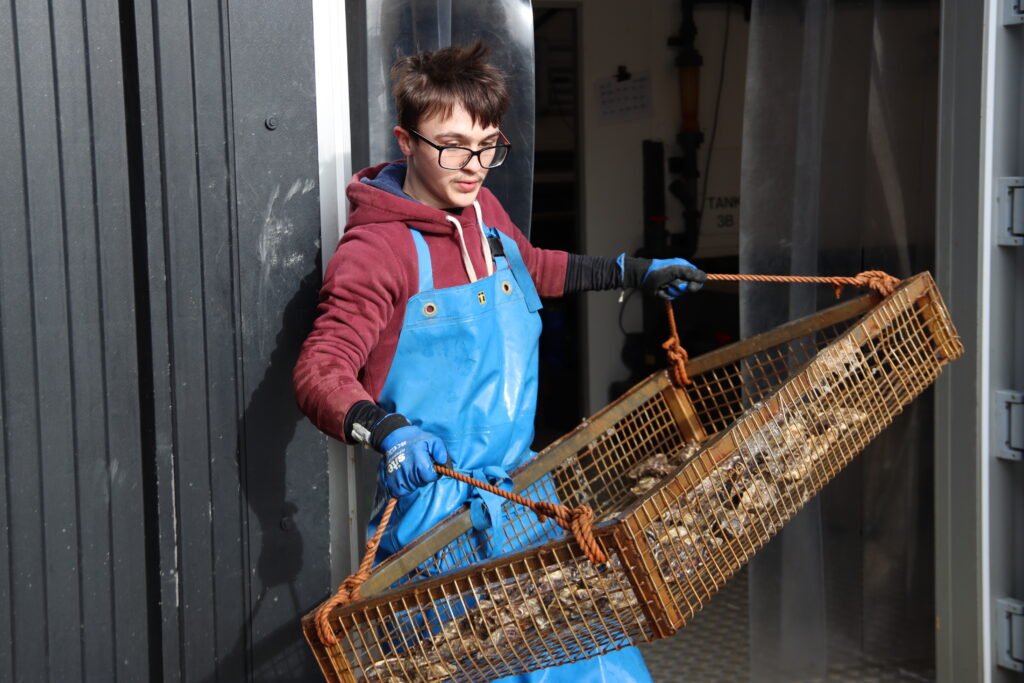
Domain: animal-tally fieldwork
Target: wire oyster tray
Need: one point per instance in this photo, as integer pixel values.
(686, 484)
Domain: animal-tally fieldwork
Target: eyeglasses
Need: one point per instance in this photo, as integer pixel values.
(453, 158)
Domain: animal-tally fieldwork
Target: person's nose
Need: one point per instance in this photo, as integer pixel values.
(475, 159)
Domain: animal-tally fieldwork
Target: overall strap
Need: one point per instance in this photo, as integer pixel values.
(423, 258)
(520, 272)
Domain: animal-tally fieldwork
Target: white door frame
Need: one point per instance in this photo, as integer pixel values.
(334, 135)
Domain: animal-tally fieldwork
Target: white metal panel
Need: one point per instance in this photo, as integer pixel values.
(335, 153)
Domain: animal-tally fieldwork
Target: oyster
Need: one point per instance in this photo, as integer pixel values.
(840, 359)
(386, 670)
(759, 495)
(771, 467)
(521, 611)
(675, 534)
(575, 599)
(507, 634)
(669, 563)
(438, 672)
(689, 450)
(621, 599)
(430, 668)
(733, 523)
(644, 485)
(553, 581)
(797, 472)
(657, 465)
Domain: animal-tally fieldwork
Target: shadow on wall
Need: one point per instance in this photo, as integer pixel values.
(265, 431)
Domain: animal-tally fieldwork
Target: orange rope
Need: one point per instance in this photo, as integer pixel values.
(579, 521)
(677, 355)
(880, 281)
(348, 591)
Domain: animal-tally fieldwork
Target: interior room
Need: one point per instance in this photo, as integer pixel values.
(837, 106)
(654, 121)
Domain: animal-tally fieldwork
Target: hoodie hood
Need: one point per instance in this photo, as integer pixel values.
(375, 195)
(391, 178)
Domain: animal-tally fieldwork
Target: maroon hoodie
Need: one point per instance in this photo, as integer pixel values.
(372, 275)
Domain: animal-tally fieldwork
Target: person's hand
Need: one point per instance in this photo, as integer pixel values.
(664, 278)
(409, 457)
(669, 278)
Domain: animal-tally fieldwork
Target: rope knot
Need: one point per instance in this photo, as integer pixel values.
(582, 526)
(878, 280)
(578, 521)
(545, 509)
(677, 355)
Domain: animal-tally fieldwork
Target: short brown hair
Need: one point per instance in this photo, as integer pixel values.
(433, 83)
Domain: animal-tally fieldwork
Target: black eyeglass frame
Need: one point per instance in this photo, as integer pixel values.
(505, 144)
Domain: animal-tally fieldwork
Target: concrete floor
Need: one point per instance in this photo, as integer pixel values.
(714, 648)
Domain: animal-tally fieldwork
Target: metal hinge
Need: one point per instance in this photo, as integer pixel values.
(1010, 639)
(1010, 210)
(1013, 12)
(1009, 425)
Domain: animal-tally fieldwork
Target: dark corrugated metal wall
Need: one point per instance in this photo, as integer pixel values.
(165, 506)
(73, 593)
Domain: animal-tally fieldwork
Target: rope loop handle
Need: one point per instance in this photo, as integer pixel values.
(878, 280)
(578, 521)
(348, 591)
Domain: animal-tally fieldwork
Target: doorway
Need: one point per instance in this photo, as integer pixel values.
(556, 218)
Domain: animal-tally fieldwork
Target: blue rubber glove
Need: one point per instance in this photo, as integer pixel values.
(664, 278)
(409, 457)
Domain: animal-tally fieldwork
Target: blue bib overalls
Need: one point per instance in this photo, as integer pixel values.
(465, 369)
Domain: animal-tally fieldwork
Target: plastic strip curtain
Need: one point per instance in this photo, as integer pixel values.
(395, 28)
(839, 175)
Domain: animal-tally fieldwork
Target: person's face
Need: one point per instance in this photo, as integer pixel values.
(425, 180)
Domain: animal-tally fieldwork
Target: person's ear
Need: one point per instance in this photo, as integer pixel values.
(404, 141)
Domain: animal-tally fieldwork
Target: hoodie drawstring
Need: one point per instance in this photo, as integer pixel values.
(488, 259)
(466, 262)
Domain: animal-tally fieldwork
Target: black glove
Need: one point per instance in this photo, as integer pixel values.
(664, 278)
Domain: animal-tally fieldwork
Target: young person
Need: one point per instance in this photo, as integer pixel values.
(425, 346)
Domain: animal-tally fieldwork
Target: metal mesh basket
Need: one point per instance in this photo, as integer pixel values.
(687, 484)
